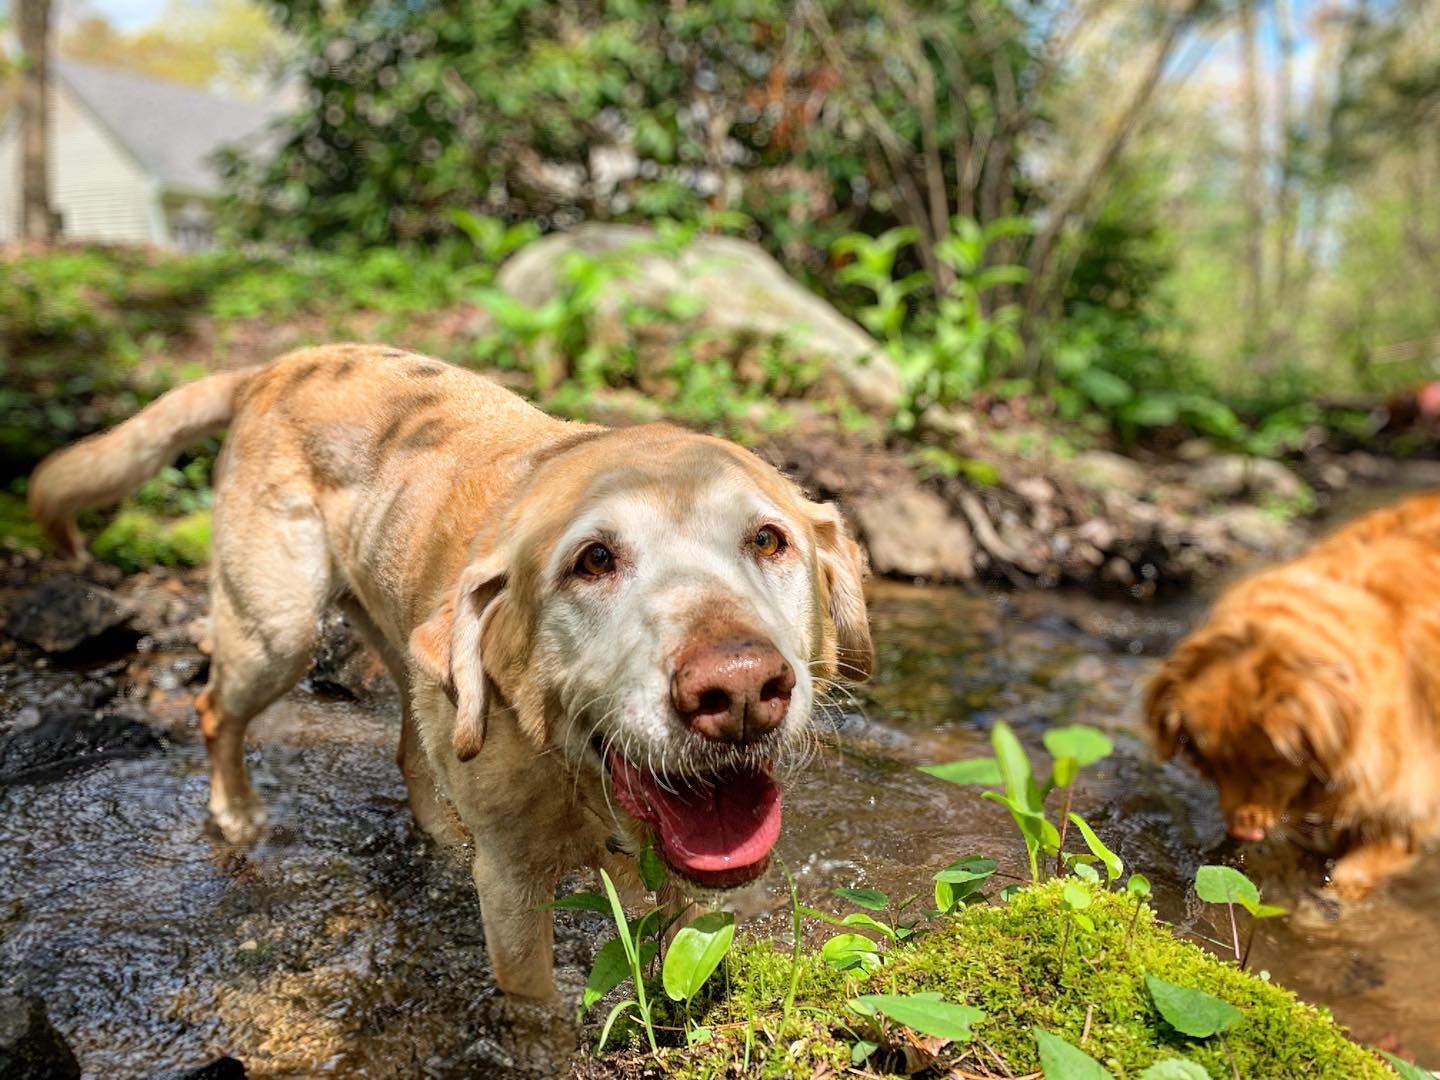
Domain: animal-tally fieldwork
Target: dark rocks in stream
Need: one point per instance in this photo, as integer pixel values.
(345, 664)
(30, 1047)
(64, 612)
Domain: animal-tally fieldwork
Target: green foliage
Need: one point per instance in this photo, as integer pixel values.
(695, 953)
(137, 539)
(926, 1013)
(1191, 1012)
(1061, 1061)
(993, 957)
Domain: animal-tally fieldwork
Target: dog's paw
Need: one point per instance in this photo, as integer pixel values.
(240, 821)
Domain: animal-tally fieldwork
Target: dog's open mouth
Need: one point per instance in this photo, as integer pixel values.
(716, 830)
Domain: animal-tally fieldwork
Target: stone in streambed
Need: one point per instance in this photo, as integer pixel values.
(30, 1047)
(65, 612)
(223, 1068)
(910, 532)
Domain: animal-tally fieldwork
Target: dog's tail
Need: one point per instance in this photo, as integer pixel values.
(106, 467)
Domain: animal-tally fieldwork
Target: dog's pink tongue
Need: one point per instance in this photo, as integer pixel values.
(718, 831)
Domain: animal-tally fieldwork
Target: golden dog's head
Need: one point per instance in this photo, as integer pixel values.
(665, 610)
(1265, 711)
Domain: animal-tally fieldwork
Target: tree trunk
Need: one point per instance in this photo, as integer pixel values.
(1254, 180)
(36, 220)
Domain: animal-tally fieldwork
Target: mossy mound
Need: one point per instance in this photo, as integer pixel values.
(137, 539)
(1005, 960)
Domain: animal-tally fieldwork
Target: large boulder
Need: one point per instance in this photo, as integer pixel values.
(910, 532)
(30, 1047)
(1226, 476)
(737, 289)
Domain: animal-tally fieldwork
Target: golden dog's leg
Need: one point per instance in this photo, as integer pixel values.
(1368, 865)
(432, 813)
(519, 935)
(269, 587)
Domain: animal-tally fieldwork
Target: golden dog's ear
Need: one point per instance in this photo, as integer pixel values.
(843, 569)
(447, 647)
(1163, 715)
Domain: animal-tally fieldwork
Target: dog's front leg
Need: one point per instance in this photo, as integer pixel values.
(1368, 864)
(519, 933)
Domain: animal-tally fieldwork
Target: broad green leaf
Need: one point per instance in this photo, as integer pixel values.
(1084, 922)
(611, 968)
(1066, 769)
(1085, 744)
(1076, 896)
(961, 879)
(1260, 911)
(695, 953)
(1014, 766)
(1061, 1061)
(861, 1051)
(698, 1035)
(652, 868)
(984, 771)
(1224, 885)
(1191, 1012)
(1175, 1069)
(924, 1013)
(610, 1020)
(581, 901)
(1085, 872)
(1113, 866)
(1405, 1069)
(871, 899)
(846, 952)
(1138, 885)
(859, 918)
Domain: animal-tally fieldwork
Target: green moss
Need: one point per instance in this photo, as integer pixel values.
(1004, 959)
(136, 539)
(18, 530)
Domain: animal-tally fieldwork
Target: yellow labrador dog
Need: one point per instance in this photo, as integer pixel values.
(598, 634)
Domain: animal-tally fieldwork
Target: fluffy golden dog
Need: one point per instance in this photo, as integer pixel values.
(1310, 697)
(598, 635)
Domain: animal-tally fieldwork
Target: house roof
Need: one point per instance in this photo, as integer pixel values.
(171, 129)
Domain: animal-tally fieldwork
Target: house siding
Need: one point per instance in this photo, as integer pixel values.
(100, 191)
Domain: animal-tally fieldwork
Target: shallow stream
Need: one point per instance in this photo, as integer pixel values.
(344, 944)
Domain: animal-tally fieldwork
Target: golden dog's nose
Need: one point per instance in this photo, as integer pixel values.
(732, 691)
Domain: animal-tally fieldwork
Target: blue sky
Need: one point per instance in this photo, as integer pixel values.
(127, 14)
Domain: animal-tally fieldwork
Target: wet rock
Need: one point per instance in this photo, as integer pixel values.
(66, 732)
(30, 1047)
(1257, 529)
(1100, 470)
(65, 612)
(739, 290)
(345, 664)
(223, 1068)
(1230, 475)
(910, 532)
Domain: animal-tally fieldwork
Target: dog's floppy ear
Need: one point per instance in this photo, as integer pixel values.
(1162, 712)
(447, 647)
(843, 570)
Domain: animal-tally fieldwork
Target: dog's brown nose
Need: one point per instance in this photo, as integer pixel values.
(733, 691)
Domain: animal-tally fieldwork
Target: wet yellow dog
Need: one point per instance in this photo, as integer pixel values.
(597, 633)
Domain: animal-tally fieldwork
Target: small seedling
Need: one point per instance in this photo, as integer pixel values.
(1073, 748)
(694, 955)
(1073, 901)
(1059, 1060)
(1228, 886)
(1139, 887)
(961, 882)
(1175, 1069)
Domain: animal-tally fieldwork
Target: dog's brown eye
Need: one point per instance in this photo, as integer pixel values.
(768, 541)
(597, 560)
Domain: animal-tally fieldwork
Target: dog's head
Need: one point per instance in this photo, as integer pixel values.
(1264, 712)
(662, 608)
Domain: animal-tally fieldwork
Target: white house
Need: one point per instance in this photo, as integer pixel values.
(130, 156)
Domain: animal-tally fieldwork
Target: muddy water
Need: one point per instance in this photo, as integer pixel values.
(345, 945)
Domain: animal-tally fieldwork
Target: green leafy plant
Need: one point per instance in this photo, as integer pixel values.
(1228, 886)
(1073, 748)
(1191, 1012)
(1059, 1060)
(693, 956)
(927, 1013)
